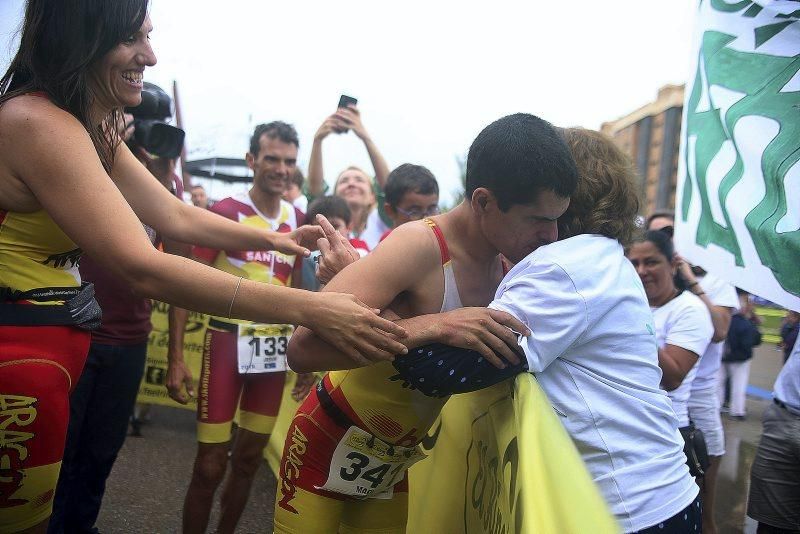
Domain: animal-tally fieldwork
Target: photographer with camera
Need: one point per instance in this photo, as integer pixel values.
(103, 399)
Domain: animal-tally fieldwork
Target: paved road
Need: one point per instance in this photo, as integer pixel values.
(146, 489)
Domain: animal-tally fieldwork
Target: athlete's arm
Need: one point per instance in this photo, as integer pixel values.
(379, 278)
(51, 153)
(178, 374)
(156, 207)
(488, 332)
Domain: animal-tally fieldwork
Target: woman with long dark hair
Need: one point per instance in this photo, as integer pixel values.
(67, 186)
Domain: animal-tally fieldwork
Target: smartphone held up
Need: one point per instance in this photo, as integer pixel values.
(344, 102)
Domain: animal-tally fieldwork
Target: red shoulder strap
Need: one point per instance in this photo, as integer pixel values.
(440, 238)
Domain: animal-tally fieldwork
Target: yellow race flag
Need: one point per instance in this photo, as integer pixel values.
(500, 462)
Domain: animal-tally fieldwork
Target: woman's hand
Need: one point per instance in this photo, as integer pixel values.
(350, 117)
(330, 125)
(299, 242)
(336, 252)
(354, 328)
(487, 331)
(685, 270)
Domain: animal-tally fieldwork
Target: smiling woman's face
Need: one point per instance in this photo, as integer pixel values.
(355, 188)
(116, 79)
(655, 270)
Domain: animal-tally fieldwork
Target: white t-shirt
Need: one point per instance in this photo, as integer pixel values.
(684, 322)
(720, 293)
(301, 203)
(593, 350)
(374, 230)
(787, 385)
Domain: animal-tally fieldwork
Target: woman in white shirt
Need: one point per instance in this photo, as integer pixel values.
(592, 348)
(682, 322)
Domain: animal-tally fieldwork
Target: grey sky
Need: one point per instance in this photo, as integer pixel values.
(428, 75)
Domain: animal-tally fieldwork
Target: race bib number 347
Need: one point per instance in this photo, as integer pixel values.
(366, 467)
(262, 348)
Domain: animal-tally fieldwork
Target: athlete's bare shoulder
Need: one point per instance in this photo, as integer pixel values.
(400, 264)
(27, 120)
(19, 118)
(414, 239)
(32, 128)
(29, 112)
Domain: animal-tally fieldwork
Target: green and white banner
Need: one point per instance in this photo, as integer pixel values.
(738, 193)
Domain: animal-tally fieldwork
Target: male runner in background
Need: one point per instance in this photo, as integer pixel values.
(242, 359)
(520, 175)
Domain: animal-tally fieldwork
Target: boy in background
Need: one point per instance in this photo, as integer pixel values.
(412, 193)
(336, 211)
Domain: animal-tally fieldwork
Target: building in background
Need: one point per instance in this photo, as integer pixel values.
(650, 135)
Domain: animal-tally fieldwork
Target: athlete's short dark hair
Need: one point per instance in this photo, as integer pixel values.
(274, 130)
(409, 178)
(518, 156)
(329, 206)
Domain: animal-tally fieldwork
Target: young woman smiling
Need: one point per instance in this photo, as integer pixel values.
(67, 185)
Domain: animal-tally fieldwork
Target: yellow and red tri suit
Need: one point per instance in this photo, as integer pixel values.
(370, 399)
(39, 365)
(221, 387)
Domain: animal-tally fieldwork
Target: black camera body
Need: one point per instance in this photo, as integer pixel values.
(150, 131)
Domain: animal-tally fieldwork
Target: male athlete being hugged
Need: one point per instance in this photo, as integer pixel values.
(243, 362)
(351, 442)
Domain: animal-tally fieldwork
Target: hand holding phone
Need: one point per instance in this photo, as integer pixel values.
(344, 102)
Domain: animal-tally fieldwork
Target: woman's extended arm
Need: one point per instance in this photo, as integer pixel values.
(51, 153)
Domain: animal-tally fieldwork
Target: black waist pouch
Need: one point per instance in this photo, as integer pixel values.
(78, 308)
(694, 447)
